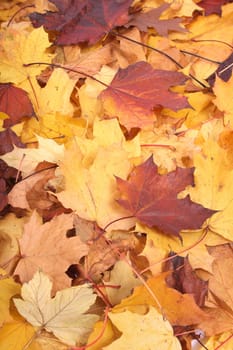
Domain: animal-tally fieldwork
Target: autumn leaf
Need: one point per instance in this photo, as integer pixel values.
(17, 334)
(151, 329)
(212, 6)
(80, 22)
(151, 19)
(173, 303)
(19, 48)
(14, 102)
(184, 279)
(152, 199)
(68, 307)
(46, 247)
(133, 103)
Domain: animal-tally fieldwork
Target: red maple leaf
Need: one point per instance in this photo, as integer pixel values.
(152, 199)
(137, 89)
(15, 103)
(86, 21)
(151, 19)
(213, 6)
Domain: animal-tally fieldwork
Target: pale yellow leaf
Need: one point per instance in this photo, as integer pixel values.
(27, 159)
(64, 315)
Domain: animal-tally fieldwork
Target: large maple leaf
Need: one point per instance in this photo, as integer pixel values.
(83, 21)
(137, 89)
(152, 199)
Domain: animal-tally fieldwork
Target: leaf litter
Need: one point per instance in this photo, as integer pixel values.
(116, 169)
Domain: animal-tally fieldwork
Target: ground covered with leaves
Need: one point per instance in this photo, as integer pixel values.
(116, 188)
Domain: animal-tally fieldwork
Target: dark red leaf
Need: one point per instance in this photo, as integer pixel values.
(15, 103)
(137, 89)
(86, 21)
(151, 19)
(184, 279)
(7, 139)
(152, 199)
(213, 6)
(224, 71)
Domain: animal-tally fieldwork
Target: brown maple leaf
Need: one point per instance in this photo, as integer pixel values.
(151, 19)
(137, 89)
(184, 279)
(152, 199)
(46, 247)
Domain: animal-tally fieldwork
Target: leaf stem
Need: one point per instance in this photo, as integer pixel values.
(162, 53)
(150, 291)
(172, 148)
(39, 171)
(205, 232)
(17, 12)
(55, 65)
(224, 342)
(116, 220)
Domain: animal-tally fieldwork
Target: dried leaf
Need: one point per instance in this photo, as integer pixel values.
(152, 199)
(46, 247)
(64, 315)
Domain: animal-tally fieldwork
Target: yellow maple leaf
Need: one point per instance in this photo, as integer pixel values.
(52, 125)
(173, 303)
(55, 96)
(18, 334)
(97, 161)
(19, 48)
(213, 177)
(64, 315)
(143, 332)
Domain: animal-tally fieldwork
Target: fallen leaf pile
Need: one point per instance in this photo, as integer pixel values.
(116, 188)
